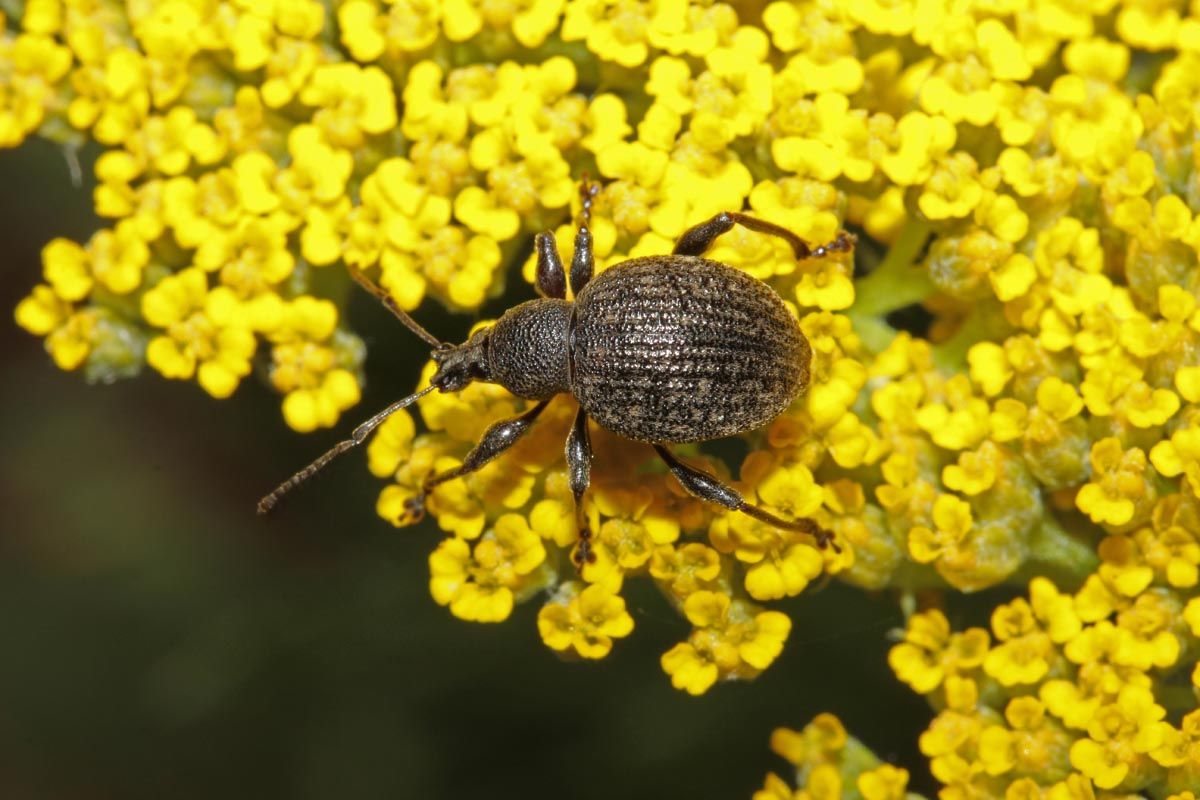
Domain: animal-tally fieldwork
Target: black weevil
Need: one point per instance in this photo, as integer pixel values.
(660, 349)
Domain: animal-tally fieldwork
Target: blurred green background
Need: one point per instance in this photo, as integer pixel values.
(161, 640)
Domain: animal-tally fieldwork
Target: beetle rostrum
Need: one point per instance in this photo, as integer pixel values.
(661, 349)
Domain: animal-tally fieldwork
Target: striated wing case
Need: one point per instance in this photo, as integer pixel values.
(683, 349)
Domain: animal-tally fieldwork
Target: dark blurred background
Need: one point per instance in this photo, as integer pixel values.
(157, 638)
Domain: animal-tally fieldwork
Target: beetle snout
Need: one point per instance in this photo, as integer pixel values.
(460, 364)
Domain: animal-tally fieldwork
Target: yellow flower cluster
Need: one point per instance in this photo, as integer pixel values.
(1023, 173)
(1068, 694)
(829, 765)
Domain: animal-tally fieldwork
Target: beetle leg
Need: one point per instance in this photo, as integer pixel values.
(551, 278)
(496, 439)
(697, 239)
(583, 260)
(699, 483)
(579, 475)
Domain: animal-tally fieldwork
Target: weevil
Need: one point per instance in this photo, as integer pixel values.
(663, 349)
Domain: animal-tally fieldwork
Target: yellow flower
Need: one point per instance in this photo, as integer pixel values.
(114, 259)
(883, 783)
(633, 527)
(951, 742)
(481, 584)
(952, 521)
(731, 639)
(775, 788)
(406, 27)
(1179, 455)
(781, 563)
(253, 258)
(308, 369)
(1032, 743)
(1170, 546)
(958, 423)
(112, 95)
(822, 740)
(1119, 491)
(71, 336)
(352, 102)
(685, 569)
(975, 472)
(202, 335)
(930, 652)
(1024, 651)
(1119, 737)
(586, 620)
(32, 65)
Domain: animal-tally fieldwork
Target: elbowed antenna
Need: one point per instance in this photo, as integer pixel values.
(390, 304)
(357, 437)
(360, 434)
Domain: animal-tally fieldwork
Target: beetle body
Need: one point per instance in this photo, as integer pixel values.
(660, 349)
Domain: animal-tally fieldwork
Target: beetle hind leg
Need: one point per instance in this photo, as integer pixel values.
(697, 239)
(699, 483)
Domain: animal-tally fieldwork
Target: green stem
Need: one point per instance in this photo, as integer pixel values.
(951, 355)
(1175, 698)
(14, 10)
(1056, 554)
(894, 284)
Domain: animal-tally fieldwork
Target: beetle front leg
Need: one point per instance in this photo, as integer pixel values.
(579, 475)
(551, 278)
(496, 439)
(699, 483)
(697, 239)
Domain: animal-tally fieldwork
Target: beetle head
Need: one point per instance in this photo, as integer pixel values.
(461, 364)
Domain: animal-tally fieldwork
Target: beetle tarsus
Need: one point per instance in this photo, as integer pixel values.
(584, 554)
(825, 539)
(414, 508)
(843, 243)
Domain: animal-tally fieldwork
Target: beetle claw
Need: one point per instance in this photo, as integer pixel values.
(826, 539)
(584, 554)
(414, 509)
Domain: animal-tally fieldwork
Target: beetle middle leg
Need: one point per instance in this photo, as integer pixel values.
(699, 483)
(495, 440)
(697, 239)
(579, 475)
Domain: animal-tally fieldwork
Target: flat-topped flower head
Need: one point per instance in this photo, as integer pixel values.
(1004, 388)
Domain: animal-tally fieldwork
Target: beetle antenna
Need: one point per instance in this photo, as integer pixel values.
(390, 304)
(357, 437)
